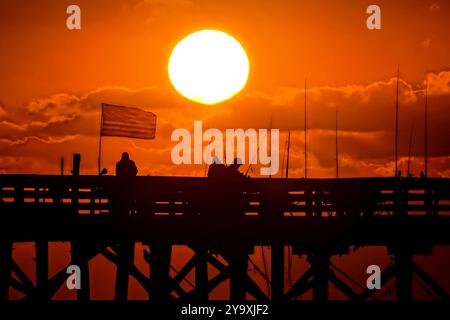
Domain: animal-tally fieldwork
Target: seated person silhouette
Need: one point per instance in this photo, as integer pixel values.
(126, 168)
(232, 171)
(224, 189)
(216, 169)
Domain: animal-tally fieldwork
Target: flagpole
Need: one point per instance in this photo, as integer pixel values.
(270, 146)
(426, 131)
(100, 143)
(408, 171)
(306, 158)
(288, 153)
(284, 157)
(337, 145)
(207, 160)
(396, 124)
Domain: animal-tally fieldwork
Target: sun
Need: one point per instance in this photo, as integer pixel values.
(208, 67)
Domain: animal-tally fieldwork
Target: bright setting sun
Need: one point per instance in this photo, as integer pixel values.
(208, 67)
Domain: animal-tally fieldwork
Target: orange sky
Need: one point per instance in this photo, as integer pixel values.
(53, 80)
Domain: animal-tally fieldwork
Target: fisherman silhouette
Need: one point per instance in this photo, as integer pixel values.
(232, 171)
(216, 169)
(224, 206)
(124, 205)
(126, 168)
(224, 194)
(237, 182)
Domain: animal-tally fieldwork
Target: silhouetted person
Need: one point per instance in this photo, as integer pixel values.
(232, 171)
(214, 190)
(125, 196)
(126, 168)
(124, 205)
(223, 189)
(422, 174)
(233, 185)
(216, 169)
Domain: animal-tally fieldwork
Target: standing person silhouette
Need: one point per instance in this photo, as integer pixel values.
(125, 196)
(124, 206)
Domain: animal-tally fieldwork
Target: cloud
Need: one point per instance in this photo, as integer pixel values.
(46, 129)
(48, 140)
(2, 111)
(362, 108)
(59, 106)
(63, 114)
(434, 7)
(438, 83)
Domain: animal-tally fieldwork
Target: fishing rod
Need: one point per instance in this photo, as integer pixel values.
(257, 149)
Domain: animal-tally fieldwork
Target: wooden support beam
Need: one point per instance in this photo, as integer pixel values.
(5, 268)
(81, 254)
(403, 275)
(125, 256)
(201, 273)
(320, 265)
(277, 276)
(42, 270)
(161, 254)
(238, 265)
